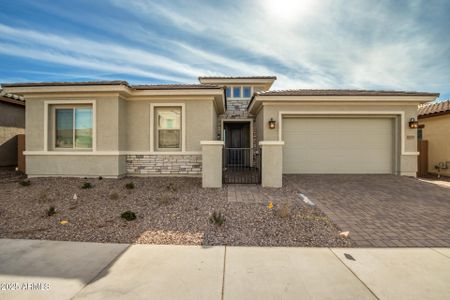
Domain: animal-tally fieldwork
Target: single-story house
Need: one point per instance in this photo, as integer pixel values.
(436, 130)
(112, 128)
(12, 123)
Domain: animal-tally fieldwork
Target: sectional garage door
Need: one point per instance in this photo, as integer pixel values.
(338, 145)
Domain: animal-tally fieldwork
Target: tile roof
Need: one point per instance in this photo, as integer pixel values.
(314, 92)
(237, 77)
(434, 108)
(80, 83)
(11, 98)
(175, 86)
(116, 82)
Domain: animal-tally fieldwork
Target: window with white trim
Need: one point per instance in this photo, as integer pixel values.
(73, 127)
(168, 128)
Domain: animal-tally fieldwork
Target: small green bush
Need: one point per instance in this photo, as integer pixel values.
(51, 211)
(129, 185)
(217, 218)
(100, 177)
(25, 182)
(128, 215)
(87, 185)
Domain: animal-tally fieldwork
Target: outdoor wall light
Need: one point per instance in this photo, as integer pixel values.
(413, 124)
(272, 123)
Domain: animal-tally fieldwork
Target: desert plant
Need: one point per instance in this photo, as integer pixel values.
(51, 211)
(100, 177)
(217, 218)
(114, 196)
(25, 182)
(128, 215)
(86, 185)
(171, 187)
(129, 186)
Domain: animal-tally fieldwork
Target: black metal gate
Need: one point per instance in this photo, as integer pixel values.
(241, 166)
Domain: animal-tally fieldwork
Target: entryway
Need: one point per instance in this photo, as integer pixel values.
(240, 164)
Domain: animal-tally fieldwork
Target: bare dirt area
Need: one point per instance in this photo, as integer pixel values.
(169, 210)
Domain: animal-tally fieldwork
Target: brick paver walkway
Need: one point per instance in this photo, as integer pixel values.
(382, 210)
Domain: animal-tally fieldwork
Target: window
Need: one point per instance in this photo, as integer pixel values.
(73, 128)
(228, 92)
(168, 128)
(237, 92)
(247, 92)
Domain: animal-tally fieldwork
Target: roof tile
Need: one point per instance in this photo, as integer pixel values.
(432, 108)
(335, 92)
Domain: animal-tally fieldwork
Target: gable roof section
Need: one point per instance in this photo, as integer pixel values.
(434, 109)
(30, 89)
(337, 95)
(11, 98)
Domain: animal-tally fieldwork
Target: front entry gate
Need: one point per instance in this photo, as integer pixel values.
(241, 166)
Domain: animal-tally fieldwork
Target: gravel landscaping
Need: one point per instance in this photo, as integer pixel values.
(171, 210)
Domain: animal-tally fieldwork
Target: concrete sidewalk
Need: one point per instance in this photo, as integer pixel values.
(32, 269)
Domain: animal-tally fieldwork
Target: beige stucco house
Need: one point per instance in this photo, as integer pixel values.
(436, 130)
(114, 129)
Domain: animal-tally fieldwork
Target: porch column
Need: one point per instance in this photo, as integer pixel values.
(272, 163)
(212, 164)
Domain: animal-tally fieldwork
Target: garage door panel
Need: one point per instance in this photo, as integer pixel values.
(337, 145)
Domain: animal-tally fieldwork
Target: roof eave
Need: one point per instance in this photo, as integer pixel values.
(257, 99)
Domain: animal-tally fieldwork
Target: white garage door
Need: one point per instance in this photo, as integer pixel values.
(338, 145)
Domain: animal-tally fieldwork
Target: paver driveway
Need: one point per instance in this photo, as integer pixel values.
(382, 210)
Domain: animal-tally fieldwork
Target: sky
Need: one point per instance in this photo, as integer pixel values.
(391, 45)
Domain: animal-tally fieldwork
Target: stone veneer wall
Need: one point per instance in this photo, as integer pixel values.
(160, 164)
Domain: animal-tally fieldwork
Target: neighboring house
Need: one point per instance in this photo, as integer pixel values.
(114, 128)
(12, 123)
(436, 120)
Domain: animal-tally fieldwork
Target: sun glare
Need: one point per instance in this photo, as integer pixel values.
(288, 10)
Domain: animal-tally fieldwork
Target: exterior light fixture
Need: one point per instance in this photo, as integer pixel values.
(272, 123)
(413, 123)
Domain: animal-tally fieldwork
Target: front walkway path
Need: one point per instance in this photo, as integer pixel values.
(72, 270)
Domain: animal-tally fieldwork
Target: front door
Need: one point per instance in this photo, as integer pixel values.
(237, 144)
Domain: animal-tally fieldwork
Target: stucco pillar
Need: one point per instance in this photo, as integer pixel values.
(272, 163)
(212, 164)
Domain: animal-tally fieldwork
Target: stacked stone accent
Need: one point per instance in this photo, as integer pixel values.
(164, 164)
(237, 108)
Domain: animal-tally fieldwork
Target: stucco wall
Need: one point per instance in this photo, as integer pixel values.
(407, 164)
(199, 124)
(12, 123)
(76, 165)
(437, 133)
